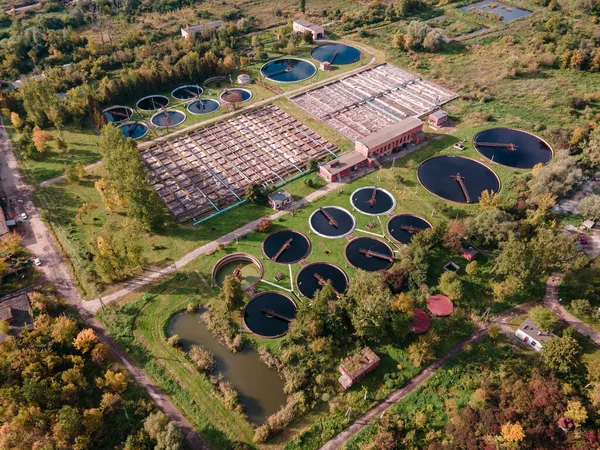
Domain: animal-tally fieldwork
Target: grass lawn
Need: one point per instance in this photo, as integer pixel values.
(83, 149)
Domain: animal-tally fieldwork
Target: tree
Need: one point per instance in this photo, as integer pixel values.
(231, 292)
(119, 251)
(10, 244)
(562, 354)
(62, 145)
(203, 358)
(491, 226)
(85, 340)
(64, 330)
(243, 25)
(4, 327)
(589, 207)
(72, 174)
(423, 349)
(40, 138)
(303, 6)
(513, 432)
(591, 147)
(489, 200)
(367, 303)
(433, 40)
(128, 177)
(255, 193)
(455, 234)
(576, 411)
(416, 32)
(398, 41)
(92, 420)
(557, 177)
(544, 318)
(115, 382)
(451, 285)
(164, 432)
(16, 120)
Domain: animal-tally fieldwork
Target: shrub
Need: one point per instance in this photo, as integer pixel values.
(261, 434)
(582, 308)
(204, 359)
(230, 396)
(191, 307)
(263, 226)
(174, 340)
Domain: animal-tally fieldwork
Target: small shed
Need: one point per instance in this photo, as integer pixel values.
(421, 322)
(325, 65)
(15, 309)
(589, 224)
(438, 118)
(357, 366)
(470, 254)
(244, 78)
(440, 305)
(280, 199)
(530, 333)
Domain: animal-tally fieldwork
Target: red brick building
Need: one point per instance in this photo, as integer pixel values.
(357, 366)
(438, 118)
(374, 146)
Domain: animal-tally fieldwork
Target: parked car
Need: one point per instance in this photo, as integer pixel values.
(37, 262)
(582, 239)
(23, 216)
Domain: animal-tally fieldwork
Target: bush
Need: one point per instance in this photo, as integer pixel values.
(174, 341)
(263, 226)
(261, 434)
(230, 396)
(204, 359)
(582, 308)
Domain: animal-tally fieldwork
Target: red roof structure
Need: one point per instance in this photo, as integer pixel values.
(566, 423)
(420, 322)
(470, 254)
(440, 305)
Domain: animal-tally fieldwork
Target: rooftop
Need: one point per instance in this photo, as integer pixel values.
(344, 162)
(17, 305)
(3, 226)
(203, 26)
(307, 24)
(530, 328)
(356, 364)
(280, 195)
(390, 132)
(439, 114)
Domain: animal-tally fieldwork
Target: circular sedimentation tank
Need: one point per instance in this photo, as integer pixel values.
(235, 95)
(364, 201)
(203, 106)
(269, 314)
(331, 222)
(457, 178)
(286, 246)
(167, 119)
(288, 70)
(336, 54)
(369, 254)
(187, 92)
(152, 102)
(117, 114)
(312, 277)
(134, 130)
(244, 266)
(512, 148)
(403, 227)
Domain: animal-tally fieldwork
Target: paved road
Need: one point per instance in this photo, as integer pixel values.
(62, 177)
(552, 301)
(502, 319)
(39, 240)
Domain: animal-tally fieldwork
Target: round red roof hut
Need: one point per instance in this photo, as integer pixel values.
(420, 322)
(440, 305)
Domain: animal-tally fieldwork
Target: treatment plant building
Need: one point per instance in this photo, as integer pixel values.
(373, 147)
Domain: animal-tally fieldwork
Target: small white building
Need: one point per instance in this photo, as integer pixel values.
(302, 26)
(531, 334)
(190, 32)
(280, 199)
(244, 78)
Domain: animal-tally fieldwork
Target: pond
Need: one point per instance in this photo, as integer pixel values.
(457, 178)
(203, 106)
(288, 70)
(336, 53)
(260, 388)
(513, 148)
(508, 12)
(134, 130)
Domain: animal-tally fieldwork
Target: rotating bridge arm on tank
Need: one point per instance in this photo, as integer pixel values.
(271, 313)
(411, 229)
(372, 254)
(460, 179)
(372, 201)
(509, 146)
(283, 248)
(322, 282)
(332, 221)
